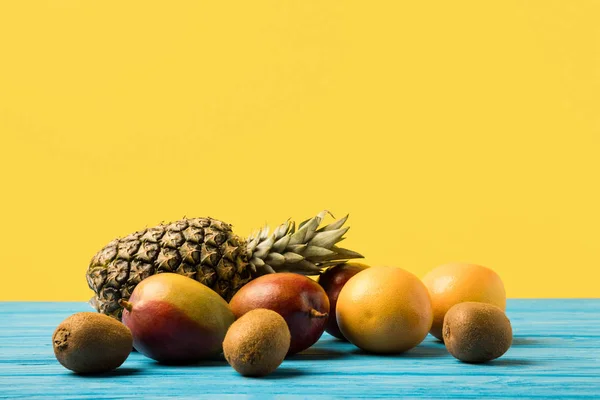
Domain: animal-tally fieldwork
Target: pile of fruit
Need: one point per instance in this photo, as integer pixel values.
(191, 290)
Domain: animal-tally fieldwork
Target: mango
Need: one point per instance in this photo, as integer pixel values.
(175, 319)
(299, 300)
(333, 280)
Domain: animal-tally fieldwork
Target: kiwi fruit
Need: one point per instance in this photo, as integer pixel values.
(257, 343)
(476, 332)
(91, 343)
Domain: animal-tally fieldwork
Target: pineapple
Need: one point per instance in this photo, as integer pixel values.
(208, 251)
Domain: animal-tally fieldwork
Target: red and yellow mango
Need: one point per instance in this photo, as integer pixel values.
(175, 319)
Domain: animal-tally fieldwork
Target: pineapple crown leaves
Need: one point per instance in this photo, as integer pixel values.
(306, 250)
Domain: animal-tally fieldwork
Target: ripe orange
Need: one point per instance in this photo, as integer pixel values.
(451, 284)
(384, 310)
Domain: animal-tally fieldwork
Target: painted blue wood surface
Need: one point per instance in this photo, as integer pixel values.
(555, 354)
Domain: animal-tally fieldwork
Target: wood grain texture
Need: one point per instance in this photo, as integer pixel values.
(555, 354)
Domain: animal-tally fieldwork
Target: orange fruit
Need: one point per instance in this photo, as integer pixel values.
(451, 284)
(384, 310)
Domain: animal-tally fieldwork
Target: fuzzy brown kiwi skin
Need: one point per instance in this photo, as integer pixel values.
(91, 343)
(476, 332)
(257, 343)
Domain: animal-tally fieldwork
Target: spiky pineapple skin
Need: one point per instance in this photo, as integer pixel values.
(204, 249)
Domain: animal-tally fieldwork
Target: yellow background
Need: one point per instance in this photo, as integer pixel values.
(449, 130)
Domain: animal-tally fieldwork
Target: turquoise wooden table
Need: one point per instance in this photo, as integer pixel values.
(555, 354)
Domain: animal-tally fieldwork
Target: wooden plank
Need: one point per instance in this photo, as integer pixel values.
(556, 354)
